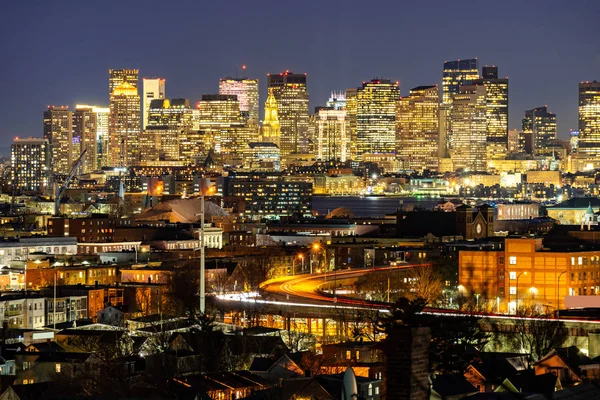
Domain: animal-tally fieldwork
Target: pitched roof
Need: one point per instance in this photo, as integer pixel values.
(181, 210)
(304, 388)
(45, 347)
(571, 356)
(452, 385)
(496, 367)
(261, 364)
(579, 203)
(585, 391)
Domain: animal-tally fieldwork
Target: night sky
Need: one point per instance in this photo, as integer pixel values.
(59, 52)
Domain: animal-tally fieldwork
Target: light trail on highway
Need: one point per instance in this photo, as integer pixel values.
(305, 291)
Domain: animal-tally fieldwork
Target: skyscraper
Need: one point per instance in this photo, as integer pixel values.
(124, 126)
(514, 141)
(116, 77)
(589, 119)
(332, 142)
(457, 73)
(496, 114)
(289, 90)
(58, 130)
(418, 134)
(153, 89)
(102, 123)
(271, 129)
(30, 165)
(539, 130)
(351, 108)
(337, 100)
(169, 121)
(246, 91)
(468, 129)
(85, 130)
(224, 128)
(376, 117)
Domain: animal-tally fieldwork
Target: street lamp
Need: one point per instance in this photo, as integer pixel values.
(202, 256)
(317, 247)
(557, 294)
(517, 294)
(301, 257)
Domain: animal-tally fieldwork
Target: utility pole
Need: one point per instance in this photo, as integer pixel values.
(202, 283)
(388, 291)
(54, 305)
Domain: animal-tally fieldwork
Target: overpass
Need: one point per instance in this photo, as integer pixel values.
(311, 297)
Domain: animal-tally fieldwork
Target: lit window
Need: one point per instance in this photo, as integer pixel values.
(579, 260)
(348, 354)
(512, 275)
(512, 260)
(57, 368)
(513, 290)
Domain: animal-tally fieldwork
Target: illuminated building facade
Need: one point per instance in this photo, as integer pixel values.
(271, 198)
(468, 129)
(457, 73)
(153, 89)
(102, 122)
(539, 130)
(100, 118)
(30, 165)
(169, 121)
(418, 134)
(289, 90)
(496, 112)
(246, 91)
(89, 124)
(376, 117)
(116, 77)
(262, 156)
(514, 141)
(58, 130)
(224, 128)
(271, 129)
(574, 140)
(124, 126)
(527, 274)
(351, 108)
(332, 142)
(337, 100)
(589, 119)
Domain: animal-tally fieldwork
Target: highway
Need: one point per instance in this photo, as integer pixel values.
(305, 288)
(301, 295)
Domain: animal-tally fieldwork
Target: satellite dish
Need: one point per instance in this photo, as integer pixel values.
(349, 388)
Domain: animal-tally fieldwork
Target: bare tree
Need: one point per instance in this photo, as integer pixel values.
(296, 339)
(181, 297)
(536, 333)
(426, 283)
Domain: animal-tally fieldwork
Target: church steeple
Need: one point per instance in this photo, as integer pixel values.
(270, 126)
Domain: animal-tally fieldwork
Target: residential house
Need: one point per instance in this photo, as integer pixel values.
(365, 358)
(569, 364)
(489, 369)
(37, 367)
(275, 369)
(451, 387)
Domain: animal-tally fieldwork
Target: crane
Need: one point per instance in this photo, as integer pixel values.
(59, 192)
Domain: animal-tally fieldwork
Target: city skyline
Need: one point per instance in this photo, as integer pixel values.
(76, 79)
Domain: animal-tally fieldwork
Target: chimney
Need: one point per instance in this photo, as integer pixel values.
(4, 330)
